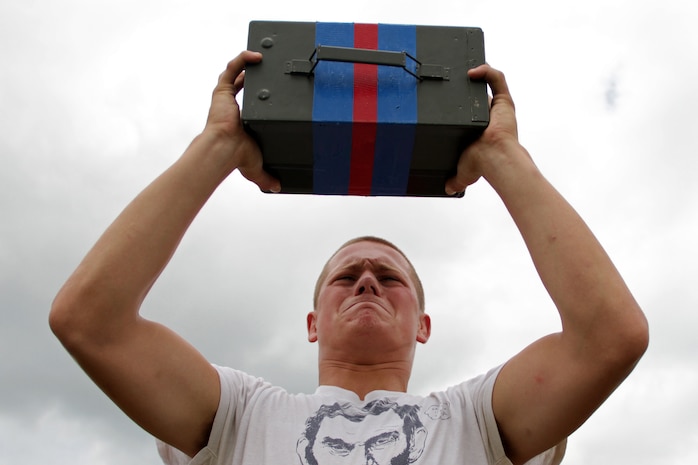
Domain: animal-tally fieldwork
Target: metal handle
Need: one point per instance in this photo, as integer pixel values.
(366, 56)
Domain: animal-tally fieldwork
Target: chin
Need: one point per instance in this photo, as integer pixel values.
(368, 318)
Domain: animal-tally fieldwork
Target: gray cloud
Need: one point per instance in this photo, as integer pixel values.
(97, 101)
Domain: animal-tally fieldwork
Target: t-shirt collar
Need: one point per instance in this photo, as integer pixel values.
(340, 394)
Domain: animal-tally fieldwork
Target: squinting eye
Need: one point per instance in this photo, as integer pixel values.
(384, 440)
(342, 451)
(337, 446)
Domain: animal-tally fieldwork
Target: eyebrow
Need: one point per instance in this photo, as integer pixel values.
(335, 442)
(378, 266)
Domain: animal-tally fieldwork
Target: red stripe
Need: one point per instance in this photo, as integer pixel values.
(365, 113)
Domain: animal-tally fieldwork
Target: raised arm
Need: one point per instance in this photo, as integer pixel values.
(549, 389)
(153, 375)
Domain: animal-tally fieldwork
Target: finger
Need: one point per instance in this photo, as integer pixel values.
(236, 66)
(495, 80)
(239, 82)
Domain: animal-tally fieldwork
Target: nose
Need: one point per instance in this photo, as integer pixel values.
(367, 282)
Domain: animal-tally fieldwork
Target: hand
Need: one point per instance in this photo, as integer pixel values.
(495, 140)
(225, 124)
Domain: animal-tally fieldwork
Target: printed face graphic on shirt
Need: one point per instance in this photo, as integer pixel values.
(380, 433)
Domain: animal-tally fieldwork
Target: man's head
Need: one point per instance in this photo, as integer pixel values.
(382, 433)
(369, 305)
(412, 272)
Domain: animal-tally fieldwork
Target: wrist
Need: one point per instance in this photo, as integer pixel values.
(214, 151)
(506, 162)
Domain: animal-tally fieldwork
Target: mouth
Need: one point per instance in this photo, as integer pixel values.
(366, 303)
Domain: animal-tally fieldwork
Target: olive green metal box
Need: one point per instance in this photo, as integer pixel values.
(364, 109)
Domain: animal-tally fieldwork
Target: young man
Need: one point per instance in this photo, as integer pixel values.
(367, 320)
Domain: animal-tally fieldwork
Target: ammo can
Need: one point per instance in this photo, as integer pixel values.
(363, 109)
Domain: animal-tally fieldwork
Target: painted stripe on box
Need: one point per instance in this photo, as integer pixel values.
(365, 113)
(397, 114)
(332, 113)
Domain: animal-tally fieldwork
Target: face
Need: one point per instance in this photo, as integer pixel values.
(368, 295)
(375, 441)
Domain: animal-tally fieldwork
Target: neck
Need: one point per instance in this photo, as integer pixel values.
(362, 379)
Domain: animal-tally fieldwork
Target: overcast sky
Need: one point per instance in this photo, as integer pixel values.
(98, 97)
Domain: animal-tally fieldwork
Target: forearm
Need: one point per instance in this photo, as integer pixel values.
(585, 286)
(113, 279)
(144, 367)
(548, 389)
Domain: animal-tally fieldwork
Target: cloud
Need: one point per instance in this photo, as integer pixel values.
(66, 439)
(98, 99)
(612, 92)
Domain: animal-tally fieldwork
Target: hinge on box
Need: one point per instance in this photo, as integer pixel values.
(374, 57)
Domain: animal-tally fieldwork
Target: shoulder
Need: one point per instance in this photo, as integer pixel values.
(477, 389)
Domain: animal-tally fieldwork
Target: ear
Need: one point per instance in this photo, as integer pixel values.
(424, 330)
(312, 329)
(419, 440)
(300, 450)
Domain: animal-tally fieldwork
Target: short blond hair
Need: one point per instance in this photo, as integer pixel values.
(379, 240)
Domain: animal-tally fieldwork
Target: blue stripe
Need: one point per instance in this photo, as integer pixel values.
(332, 113)
(397, 114)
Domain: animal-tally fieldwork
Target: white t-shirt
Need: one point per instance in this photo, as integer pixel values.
(261, 424)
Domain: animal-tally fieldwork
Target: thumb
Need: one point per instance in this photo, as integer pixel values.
(458, 183)
(454, 186)
(265, 181)
(465, 176)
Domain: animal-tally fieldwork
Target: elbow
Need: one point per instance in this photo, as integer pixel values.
(58, 315)
(84, 318)
(615, 339)
(74, 319)
(630, 340)
(62, 319)
(639, 339)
